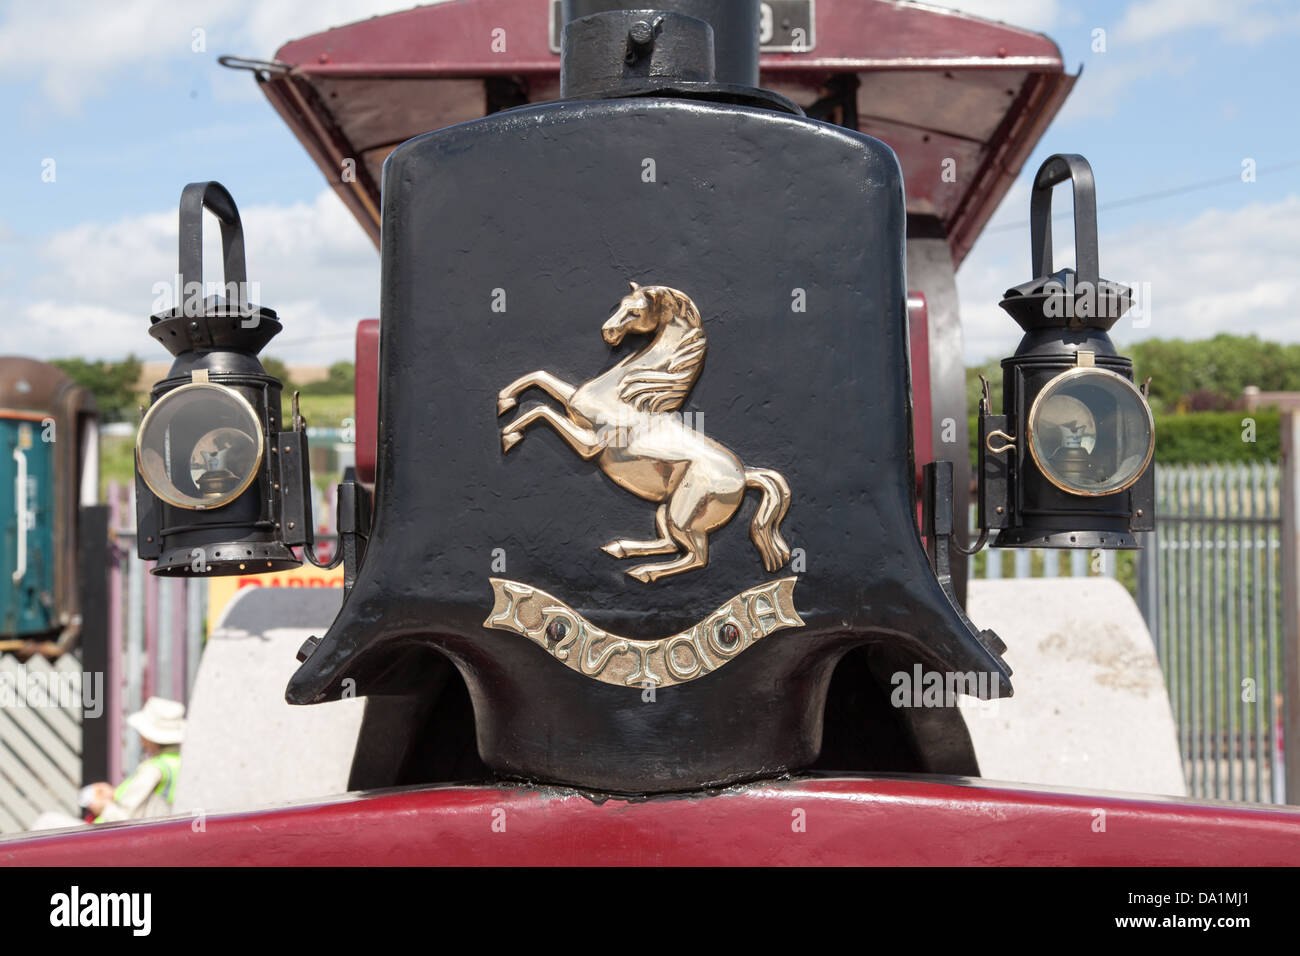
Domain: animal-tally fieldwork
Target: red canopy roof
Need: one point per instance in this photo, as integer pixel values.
(934, 84)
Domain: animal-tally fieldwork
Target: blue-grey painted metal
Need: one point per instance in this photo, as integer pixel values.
(1078, 564)
(1051, 563)
(27, 515)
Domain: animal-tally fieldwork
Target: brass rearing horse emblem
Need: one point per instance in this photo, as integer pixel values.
(623, 419)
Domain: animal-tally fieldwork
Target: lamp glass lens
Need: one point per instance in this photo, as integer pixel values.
(200, 446)
(1090, 432)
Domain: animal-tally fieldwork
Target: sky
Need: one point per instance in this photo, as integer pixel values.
(108, 109)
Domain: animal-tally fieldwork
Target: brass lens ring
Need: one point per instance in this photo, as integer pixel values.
(166, 491)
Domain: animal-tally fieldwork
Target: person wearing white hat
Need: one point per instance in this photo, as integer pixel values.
(150, 791)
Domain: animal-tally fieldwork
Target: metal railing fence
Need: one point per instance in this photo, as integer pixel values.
(1210, 587)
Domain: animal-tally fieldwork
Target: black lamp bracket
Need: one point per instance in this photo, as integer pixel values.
(353, 523)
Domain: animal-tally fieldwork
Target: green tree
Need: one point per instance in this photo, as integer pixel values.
(1203, 437)
(342, 377)
(277, 368)
(113, 383)
(1211, 374)
(341, 380)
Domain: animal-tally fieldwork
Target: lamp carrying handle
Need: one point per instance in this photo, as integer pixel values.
(1057, 169)
(213, 196)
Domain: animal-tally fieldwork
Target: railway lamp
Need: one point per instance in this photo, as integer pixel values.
(1068, 463)
(220, 489)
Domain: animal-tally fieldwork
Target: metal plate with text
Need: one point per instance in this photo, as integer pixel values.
(784, 26)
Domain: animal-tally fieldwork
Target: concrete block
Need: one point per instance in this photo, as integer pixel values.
(244, 746)
(1090, 709)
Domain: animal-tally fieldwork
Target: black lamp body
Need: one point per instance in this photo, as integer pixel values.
(553, 203)
(1044, 515)
(216, 342)
(1066, 316)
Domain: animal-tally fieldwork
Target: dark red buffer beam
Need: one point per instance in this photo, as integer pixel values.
(818, 821)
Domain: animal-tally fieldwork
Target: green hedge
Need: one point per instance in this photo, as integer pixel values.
(1199, 437)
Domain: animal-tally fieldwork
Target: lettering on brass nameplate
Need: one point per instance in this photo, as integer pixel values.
(582, 646)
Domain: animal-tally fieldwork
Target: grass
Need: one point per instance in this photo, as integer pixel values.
(116, 462)
(322, 411)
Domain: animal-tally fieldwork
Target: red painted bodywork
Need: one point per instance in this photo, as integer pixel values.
(939, 87)
(366, 386)
(820, 821)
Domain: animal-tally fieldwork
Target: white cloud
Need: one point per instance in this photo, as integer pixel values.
(75, 48)
(1148, 19)
(1246, 21)
(1104, 86)
(1223, 270)
(1226, 270)
(1030, 14)
(311, 262)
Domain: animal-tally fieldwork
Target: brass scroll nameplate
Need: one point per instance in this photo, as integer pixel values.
(593, 652)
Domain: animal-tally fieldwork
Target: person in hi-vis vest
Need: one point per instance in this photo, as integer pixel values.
(150, 791)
